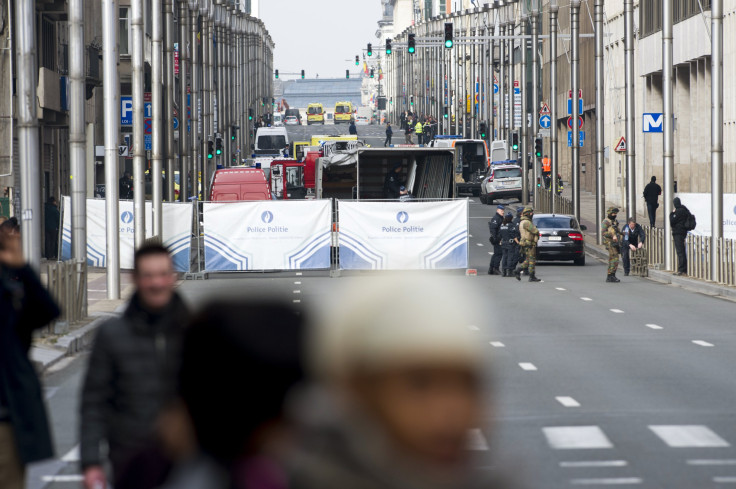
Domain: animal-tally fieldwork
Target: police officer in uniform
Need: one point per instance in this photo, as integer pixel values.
(529, 235)
(612, 239)
(393, 182)
(508, 237)
(493, 226)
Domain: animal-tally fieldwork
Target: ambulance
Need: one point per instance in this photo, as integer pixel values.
(343, 112)
(315, 114)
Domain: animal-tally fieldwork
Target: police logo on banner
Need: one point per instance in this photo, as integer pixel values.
(402, 217)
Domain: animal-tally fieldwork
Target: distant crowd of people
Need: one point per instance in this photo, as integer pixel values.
(424, 126)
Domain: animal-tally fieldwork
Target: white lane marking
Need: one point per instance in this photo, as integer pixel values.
(702, 343)
(689, 436)
(470, 235)
(724, 480)
(567, 401)
(560, 288)
(298, 274)
(479, 244)
(497, 344)
(63, 478)
(297, 283)
(297, 291)
(529, 367)
(611, 481)
(617, 311)
(72, 455)
(654, 326)
(476, 440)
(96, 290)
(593, 463)
(296, 301)
(723, 461)
(576, 437)
(586, 299)
(473, 328)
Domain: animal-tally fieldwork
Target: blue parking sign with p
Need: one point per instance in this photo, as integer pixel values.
(126, 111)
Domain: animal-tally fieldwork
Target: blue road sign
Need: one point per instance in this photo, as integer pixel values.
(517, 91)
(569, 139)
(495, 88)
(545, 121)
(569, 106)
(147, 110)
(176, 123)
(653, 122)
(126, 111)
(149, 142)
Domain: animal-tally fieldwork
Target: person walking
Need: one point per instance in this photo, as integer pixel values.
(518, 258)
(529, 235)
(612, 240)
(51, 228)
(681, 222)
(493, 226)
(419, 129)
(132, 370)
(633, 239)
(402, 121)
(651, 195)
(26, 306)
(126, 186)
(407, 132)
(509, 239)
(352, 129)
(389, 135)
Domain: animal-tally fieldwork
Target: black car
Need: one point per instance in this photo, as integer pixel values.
(561, 238)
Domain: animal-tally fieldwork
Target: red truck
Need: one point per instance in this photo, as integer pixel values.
(239, 184)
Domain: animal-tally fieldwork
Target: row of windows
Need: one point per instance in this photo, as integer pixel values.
(650, 13)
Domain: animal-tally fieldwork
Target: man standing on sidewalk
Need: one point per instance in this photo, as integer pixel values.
(651, 195)
(493, 226)
(612, 239)
(633, 239)
(679, 221)
(132, 369)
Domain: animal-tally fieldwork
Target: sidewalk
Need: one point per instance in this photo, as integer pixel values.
(50, 349)
(587, 218)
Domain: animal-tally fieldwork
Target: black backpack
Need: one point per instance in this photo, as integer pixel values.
(690, 222)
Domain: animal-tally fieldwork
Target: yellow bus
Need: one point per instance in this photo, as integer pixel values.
(315, 114)
(343, 112)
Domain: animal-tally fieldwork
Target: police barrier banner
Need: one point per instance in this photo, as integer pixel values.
(403, 235)
(267, 235)
(177, 232)
(700, 206)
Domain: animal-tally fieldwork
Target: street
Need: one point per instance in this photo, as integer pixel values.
(595, 383)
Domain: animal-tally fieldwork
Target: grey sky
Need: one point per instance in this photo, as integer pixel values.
(320, 35)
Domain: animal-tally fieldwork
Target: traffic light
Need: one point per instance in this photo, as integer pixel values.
(210, 148)
(347, 74)
(357, 61)
(539, 182)
(302, 74)
(538, 147)
(370, 49)
(515, 141)
(411, 100)
(447, 113)
(276, 73)
(233, 132)
(218, 145)
(388, 46)
(482, 130)
(371, 72)
(250, 114)
(448, 35)
(412, 43)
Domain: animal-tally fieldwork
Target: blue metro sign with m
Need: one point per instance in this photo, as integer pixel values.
(653, 122)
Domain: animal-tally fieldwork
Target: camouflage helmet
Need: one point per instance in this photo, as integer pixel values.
(612, 210)
(527, 212)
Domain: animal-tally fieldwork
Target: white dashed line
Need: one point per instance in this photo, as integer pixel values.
(473, 328)
(567, 401)
(586, 299)
(297, 283)
(560, 288)
(497, 344)
(702, 343)
(593, 463)
(72, 455)
(62, 478)
(490, 252)
(479, 244)
(476, 440)
(612, 481)
(529, 367)
(724, 461)
(576, 437)
(616, 311)
(654, 326)
(298, 274)
(296, 301)
(724, 480)
(689, 436)
(297, 291)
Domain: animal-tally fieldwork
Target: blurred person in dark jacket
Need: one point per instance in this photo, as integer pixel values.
(26, 306)
(633, 237)
(402, 388)
(52, 217)
(132, 370)
(679, 224)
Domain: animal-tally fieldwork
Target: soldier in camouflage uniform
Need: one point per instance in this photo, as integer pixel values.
(612, 240)
(529, 237)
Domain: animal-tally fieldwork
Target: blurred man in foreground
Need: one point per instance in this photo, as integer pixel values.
(132, 369)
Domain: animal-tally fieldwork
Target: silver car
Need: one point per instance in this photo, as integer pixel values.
(502, 182)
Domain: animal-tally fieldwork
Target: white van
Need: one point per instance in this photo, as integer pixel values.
(271, 141)
(278, 120)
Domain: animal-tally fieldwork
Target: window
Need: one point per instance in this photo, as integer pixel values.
(48, 43)
(124, 31)
(507, 173)
(650, 13)
(555, 223)
(271, 143)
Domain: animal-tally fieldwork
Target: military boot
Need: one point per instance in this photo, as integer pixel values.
(533, 278)
(517, 273)
(612, 278)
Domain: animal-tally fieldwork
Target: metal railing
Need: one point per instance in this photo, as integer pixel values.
(67, 282)
(153, 240)
(562, 204)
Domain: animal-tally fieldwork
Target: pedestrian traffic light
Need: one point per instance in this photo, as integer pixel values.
(448, 35)
(515, 141)
(538, 147)
(357, 61)
(210, 148)
(482, 130)
(388, 46)
(539, 182)
(277, 74)
(412, 44)
(218, 145)
(370, 49)
(347, 74)
(371, 73)
(233, 132)
(302, 74)
(411, 100)
(250, 114)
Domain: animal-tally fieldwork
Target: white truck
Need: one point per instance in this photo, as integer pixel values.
(364, 116)
(271, 143)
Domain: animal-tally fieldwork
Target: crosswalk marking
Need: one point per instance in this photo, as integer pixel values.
(611, 481)
(689, 436)
(576, 437)
(476, 440)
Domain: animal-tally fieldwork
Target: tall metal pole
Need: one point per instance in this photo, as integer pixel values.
(183, 75)
(553, 95)
(77, 135)
(600, 142)
(195, 70)
(502, 90)
(111, 98)
(169, 98)
(716, 135)
(524, 111)
(30, 182)
(139, 150)
(668, 139)
(535, 96)
(630, 107)
(575, 77)
(157, 102)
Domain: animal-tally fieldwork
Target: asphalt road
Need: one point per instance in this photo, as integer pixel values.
(627, 384)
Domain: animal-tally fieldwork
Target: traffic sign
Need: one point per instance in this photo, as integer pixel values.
(580, 122)
(123, 150)
(147, 126)
(569, 106)
(176, 123)
(621, 146)
(516, 83)
(149, 142)
(581, 140)
(495, 88)
(126, 110)
(545, 109)
(545, 121)
(580, 93)
(653, 122)
(543, 133)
